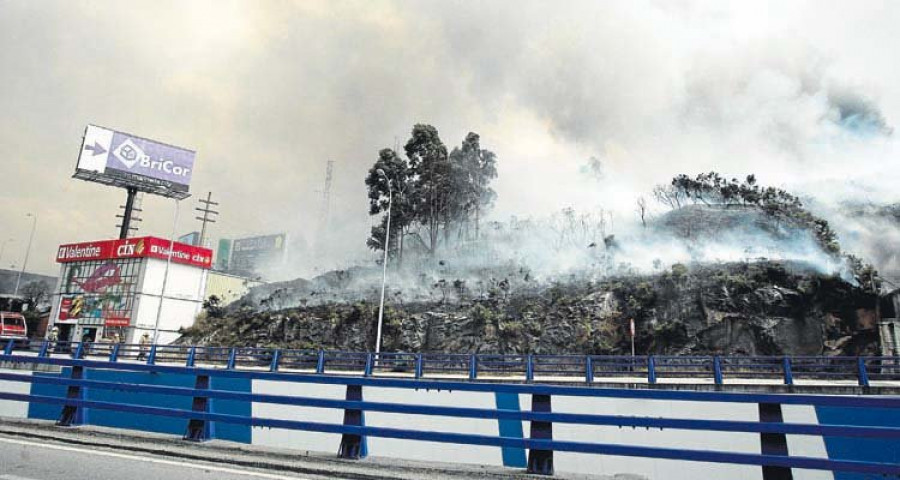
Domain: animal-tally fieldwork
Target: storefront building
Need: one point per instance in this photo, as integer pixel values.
(128, 287)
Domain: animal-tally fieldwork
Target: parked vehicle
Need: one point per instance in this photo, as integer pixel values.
(13, 327)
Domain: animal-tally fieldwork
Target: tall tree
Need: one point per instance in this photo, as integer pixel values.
(430, 166)
(402, 196)
(472, 169)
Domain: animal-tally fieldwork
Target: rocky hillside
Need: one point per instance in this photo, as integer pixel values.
(764, 308)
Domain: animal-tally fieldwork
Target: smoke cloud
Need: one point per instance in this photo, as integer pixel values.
(801, 94)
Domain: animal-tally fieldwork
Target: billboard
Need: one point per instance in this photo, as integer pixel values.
(252, 254)
(192, 238)
(125, 160)
(223, 255)
(140, 247)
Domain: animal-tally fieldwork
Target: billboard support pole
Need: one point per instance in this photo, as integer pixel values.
(126, 216)
(162, 293)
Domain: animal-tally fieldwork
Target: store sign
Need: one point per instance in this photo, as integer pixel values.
(143, 247)
(116, 322)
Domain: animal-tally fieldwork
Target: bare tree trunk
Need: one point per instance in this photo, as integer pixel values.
(400, 255)
(477, 218)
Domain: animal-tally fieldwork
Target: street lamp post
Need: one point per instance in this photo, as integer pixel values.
(27, 250)
(387, 242)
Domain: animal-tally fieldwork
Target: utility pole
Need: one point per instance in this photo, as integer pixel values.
(324, 209)
(208, 216)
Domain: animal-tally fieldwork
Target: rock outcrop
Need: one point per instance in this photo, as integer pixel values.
(757, 308)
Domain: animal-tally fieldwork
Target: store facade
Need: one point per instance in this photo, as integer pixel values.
(128, 287)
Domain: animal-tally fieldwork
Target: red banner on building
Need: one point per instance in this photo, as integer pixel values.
(116, 322)
(142, 247)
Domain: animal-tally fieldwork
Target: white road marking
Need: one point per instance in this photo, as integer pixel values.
(140, 459)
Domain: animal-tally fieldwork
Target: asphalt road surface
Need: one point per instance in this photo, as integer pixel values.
(22, 459)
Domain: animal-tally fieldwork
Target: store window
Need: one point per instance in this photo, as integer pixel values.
(100, 292)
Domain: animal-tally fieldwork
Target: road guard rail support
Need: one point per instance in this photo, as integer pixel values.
(714, 369)
(775, 461)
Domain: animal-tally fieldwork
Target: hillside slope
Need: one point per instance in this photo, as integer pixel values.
(760, 308)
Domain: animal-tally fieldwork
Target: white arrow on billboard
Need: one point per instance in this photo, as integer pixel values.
(95, 149)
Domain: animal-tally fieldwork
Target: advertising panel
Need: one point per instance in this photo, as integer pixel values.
(141, 247)
(250, 255)
(125, 160)
(99, 292)
(223, 255)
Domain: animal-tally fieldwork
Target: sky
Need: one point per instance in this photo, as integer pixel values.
(803, 94)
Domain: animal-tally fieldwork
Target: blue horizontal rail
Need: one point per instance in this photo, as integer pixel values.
(517, 367)
(465, 412)
(874, 401)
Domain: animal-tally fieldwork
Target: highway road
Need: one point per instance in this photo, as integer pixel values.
(28, 460)
(37, 450)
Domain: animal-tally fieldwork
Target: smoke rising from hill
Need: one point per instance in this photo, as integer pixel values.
(803, 94)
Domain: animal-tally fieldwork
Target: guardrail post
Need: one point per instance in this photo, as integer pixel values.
(589, 369)
(353, 446)
(651, 369)
(151, 358)
(473, 367)
(861, 371)
(419, 366)
(114, 353)
(73, 414)
(232, 359)
(9, 347)
(788, 373)
(45, 349)
(773, 443)
(541, 461)
(320, 362)
(200, 430)
(367, 371)
(276, 357)
(529, 368)
(717, 369)
(79, 351)
(191, 358)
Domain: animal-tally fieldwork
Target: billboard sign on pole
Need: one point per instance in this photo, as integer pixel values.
(125, 160)
(251, 255)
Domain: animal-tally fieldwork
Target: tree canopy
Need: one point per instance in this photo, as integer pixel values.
(433, 192)
(713, 189)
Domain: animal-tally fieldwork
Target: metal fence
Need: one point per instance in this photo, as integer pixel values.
(711, 369)
(540, 443)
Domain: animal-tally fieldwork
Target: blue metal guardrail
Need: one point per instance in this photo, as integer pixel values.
(519, 367)
(775, 459)
(540, 444)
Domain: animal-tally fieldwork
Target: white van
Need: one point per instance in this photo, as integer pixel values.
(13, 327)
